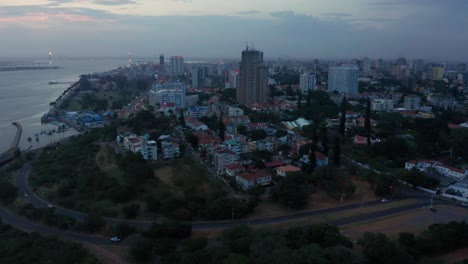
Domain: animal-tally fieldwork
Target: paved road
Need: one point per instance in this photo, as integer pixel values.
(423, 200)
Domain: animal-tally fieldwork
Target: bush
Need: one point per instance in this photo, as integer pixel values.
(131, 210)
(7, 191)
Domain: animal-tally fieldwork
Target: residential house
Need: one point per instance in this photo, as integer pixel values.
(170, 150)
(360, 140)
(223, 157)
(274, 164)
(149, 150)
(283, 170)
(233, 169)
(322, 160)
(248, 180)
(195, 124)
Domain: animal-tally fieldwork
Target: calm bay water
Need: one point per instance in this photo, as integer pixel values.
(25, 97)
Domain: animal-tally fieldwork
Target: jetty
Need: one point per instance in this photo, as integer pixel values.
(9, 155)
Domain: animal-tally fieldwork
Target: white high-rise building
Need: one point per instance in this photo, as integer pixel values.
(343, 79)
(168, 93)
(307, 82)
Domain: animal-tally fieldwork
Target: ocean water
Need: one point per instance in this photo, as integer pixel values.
(25, 97)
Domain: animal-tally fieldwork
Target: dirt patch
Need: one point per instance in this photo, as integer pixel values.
(105, 256)
(317, 200)
(455, 256)
(165, 174)
(104, 161)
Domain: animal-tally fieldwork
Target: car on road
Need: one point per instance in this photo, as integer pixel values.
(115, 239)
(25, 195)
(50, 206)
(384, 201)
(464, 204)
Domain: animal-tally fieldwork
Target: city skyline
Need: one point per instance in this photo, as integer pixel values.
(205, 28)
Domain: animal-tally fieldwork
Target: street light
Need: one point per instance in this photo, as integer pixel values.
(342, 198)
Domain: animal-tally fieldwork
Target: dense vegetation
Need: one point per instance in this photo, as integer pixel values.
(72, 171)
(23, 248)
(318, 243)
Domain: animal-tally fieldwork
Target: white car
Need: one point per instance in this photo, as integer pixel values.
(50, 206)
(115, 239)
(384, 201)
(25, 195)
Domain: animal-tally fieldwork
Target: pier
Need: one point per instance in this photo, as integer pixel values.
(9, 155)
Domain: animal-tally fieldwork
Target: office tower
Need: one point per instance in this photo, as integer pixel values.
(194, 73)
(161, 59)
(436, 72)
(307, 82)
(418, 67)
(343, 79)
(253, 78)
(177, 65)
(365, 66)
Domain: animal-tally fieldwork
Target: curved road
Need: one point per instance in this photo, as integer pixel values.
(24, 188)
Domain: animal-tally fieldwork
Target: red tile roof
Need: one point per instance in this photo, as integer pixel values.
(234, 166)
(289, 168)
(274, 163)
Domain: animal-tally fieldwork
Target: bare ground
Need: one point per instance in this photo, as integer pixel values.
(414, 222)
(105, 256)
(318, 200)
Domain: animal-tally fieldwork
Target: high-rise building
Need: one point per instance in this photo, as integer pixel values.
(161, 59)
(418, 68)
(306, 82)
(253, 78)
(194, 73)
(177, 65)
(231, 79)
(365, 66)
(343, 79)
(436, 72)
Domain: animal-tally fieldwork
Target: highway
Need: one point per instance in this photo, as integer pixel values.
(20, 222)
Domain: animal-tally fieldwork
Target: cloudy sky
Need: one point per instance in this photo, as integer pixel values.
(429, 29)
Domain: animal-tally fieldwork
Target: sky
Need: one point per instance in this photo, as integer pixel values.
(301, 29)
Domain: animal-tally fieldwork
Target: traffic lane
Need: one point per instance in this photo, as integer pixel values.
(28, 226)
(283, 218)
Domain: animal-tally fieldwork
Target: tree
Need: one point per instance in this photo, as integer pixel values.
(367, 124)
(312, 158)
(141, 249)
(378, 248)
(337, 152)
(299, 99)
(241, 129)
(182, 118)
(344, 104)
(324, 137)
(7, 191)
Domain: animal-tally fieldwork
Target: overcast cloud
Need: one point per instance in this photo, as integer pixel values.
(428, 29)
